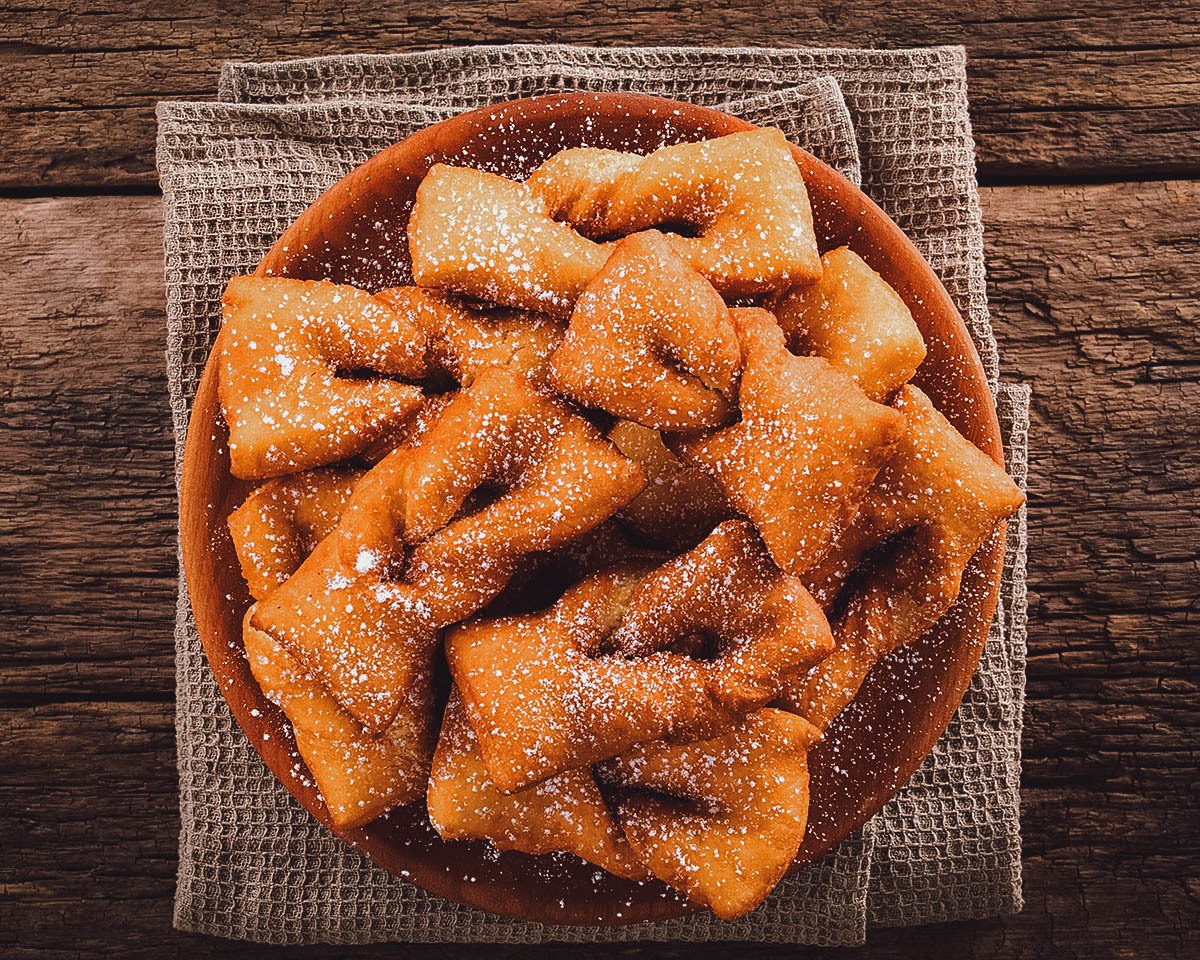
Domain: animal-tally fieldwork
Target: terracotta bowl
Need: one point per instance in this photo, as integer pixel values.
(356, 233)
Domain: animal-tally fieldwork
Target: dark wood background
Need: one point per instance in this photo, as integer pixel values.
(1088, 125)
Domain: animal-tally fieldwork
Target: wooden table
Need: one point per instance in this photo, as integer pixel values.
(1088, 125)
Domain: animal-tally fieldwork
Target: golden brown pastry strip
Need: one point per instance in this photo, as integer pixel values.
(853, 319)
(565, 813)
(481, 235)
(280, 523)
(743, 193)
(360, 776)
(805, 451)
(283, 350)
(930, 508)
(363, 616)
(463, 341)
(554, 691)
(721, 819)
(650, 340)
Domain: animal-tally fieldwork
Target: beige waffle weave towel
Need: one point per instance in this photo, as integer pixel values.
(253, 863)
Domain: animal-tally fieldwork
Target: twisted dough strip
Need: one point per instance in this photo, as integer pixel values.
(360, 776)
(611, 664)
(743, 193)
(283, 347)
(363, 616)
(489, 238)
(280, 523)
(853, 319)
(565, 813)
(805, 451)
(722, 819)
(934, 504)
(650, 340)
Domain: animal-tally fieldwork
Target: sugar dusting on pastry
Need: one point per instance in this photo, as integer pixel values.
(634, 720)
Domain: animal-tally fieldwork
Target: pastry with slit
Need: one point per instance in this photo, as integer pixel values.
(742, 195)
(721, 819)
(360, 775)
(934, 503)
(856, 321)
(803, 454)
(650, 341)
(463, 340)
(566, 813)
(307, 372)
(489, 238)
(635, 653)
(411, 554)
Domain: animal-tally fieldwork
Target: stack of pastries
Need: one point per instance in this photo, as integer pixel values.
(642, 468)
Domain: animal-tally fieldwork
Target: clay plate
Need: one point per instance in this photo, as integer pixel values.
(356, 233)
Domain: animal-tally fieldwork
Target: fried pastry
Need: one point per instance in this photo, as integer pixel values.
(650, 340)
(280, 523)
(363, 615)
(554, 691)
(742, 193)
(360, 776)
(481, 235)
(463, 340)
(284, 348)
(560, 478)
(543, 576)
(856, 321)
(720, 820)
(565, 813)
(805, 451)
(680, 505)
(687, 605)
(931, 507)
(368, 639)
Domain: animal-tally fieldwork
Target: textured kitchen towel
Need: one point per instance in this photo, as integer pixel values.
(252, 863)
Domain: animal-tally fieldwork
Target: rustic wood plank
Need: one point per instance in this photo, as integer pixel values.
(1093, 293)
(90, 859)
(1058, 89)
(87, 501)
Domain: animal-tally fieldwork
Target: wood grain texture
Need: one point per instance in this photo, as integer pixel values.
(1058, 89)
(1093, 291)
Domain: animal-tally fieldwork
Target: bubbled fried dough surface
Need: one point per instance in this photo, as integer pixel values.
(650, 341)
(560, 477)
(554, 691)
(285, 347)
(721, 819)
(743, 193)
(280, 523)
(805, 451)
(773, 629)
(853, 319)
(679, 505)
(930, 508)
(369, 640)
(565, 813)
(463, 341)
(486, 237)
(363, 614)
(360, 776)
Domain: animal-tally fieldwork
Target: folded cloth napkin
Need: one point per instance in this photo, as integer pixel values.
(253, 863)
